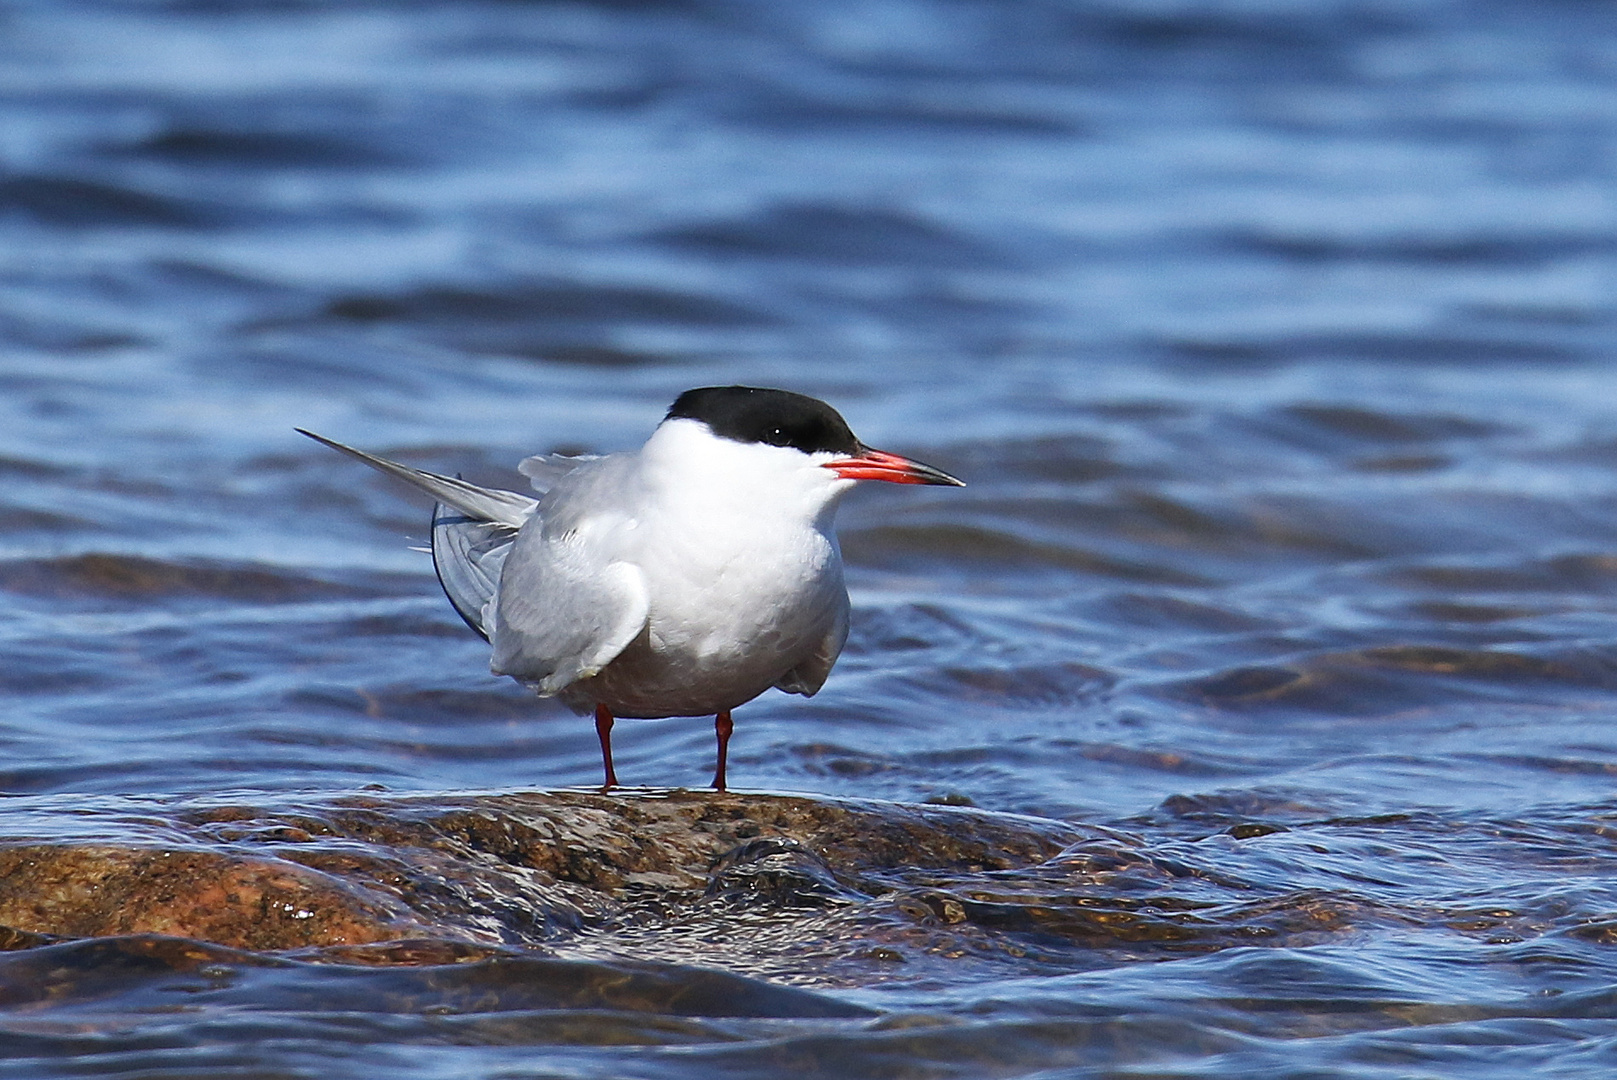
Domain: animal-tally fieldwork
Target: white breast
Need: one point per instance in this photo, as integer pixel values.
(742, 570)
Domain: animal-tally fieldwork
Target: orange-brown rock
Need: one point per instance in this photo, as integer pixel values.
(97, 890)
(522, 869)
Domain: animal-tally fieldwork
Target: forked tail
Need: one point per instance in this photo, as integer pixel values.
(472, 531)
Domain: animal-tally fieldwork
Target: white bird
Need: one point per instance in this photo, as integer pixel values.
(683, 579)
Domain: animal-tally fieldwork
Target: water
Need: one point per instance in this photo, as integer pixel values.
(1272, 338)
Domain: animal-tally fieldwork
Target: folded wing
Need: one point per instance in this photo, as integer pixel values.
(572, 595)
(555, 598)
(469, 555)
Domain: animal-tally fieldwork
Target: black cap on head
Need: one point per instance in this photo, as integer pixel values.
(749, 414)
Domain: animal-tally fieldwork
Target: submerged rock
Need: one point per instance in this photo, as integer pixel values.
(815, 891)
(791, 882)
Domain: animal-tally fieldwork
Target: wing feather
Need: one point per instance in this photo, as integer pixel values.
(543, 470)
(583, 618)
(468, 555)
(571, 593)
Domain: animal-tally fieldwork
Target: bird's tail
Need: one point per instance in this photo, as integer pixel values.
(479, 503)
(472, 531)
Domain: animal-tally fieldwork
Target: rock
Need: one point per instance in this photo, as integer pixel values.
(813, 891)
(440, 879)
(96, 890)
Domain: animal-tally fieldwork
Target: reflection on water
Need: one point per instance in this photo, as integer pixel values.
(1272, 340)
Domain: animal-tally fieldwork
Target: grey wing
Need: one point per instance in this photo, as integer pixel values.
(566, 606)
(811, 672)
(468, 555)
(543, 470)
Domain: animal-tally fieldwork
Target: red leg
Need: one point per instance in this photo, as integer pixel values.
(723, 726)
(603, 728)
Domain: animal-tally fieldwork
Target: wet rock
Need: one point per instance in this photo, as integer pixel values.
(96, 890)
(416, 880)
(779, 872)
(812, 891)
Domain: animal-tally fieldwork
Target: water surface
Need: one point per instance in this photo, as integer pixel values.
(1271, 337)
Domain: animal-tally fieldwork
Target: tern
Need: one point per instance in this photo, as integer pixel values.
(682, 579)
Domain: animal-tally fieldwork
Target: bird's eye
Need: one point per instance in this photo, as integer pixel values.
(777, 437)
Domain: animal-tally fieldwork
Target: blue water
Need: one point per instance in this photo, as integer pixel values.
(1272, 338)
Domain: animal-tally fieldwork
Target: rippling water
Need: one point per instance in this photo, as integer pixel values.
(1271, 337)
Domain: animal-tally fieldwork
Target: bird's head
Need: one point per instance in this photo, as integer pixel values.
(779, 431)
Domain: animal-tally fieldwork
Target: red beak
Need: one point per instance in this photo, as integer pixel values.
(880, 465)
